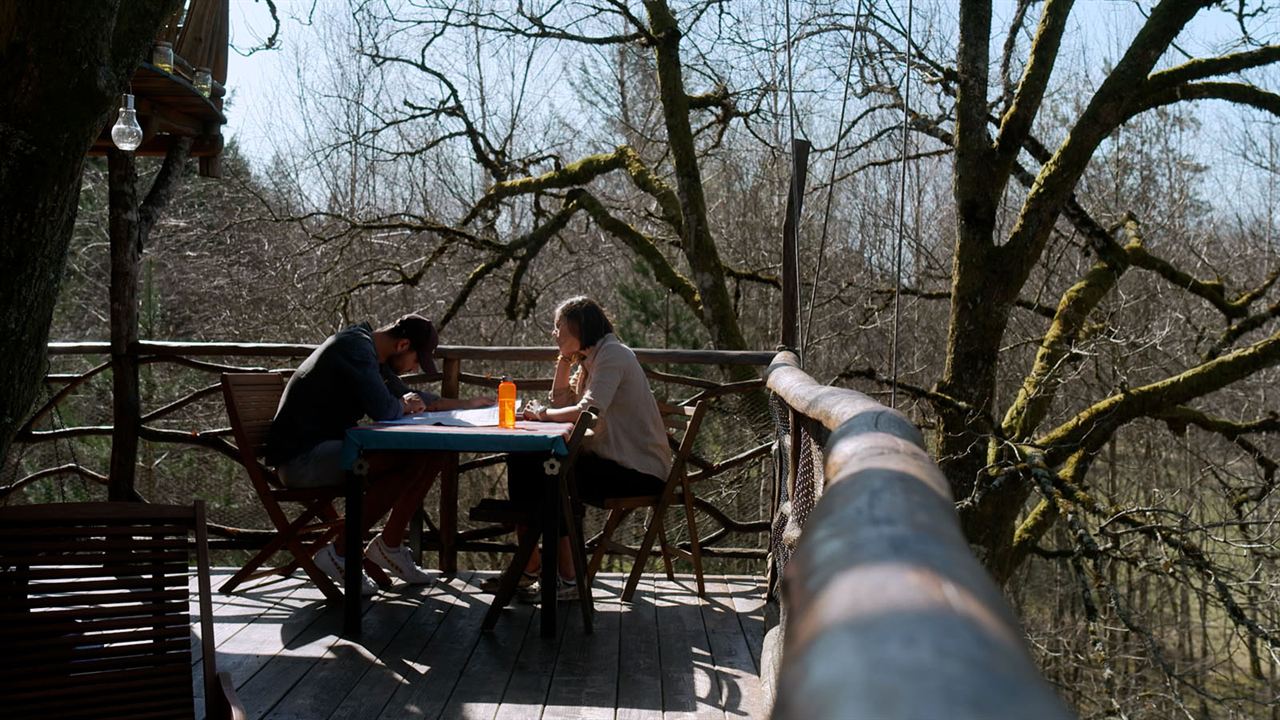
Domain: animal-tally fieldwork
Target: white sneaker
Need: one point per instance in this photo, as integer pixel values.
(334, 565)
(396, 560)
(566, 589)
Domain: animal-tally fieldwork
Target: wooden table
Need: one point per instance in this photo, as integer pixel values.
(409, 436)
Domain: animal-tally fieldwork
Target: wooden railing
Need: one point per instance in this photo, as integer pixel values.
(195, 417)
(885, 611)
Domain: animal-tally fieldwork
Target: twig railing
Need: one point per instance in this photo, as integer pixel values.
(885, 611)
(209, 431)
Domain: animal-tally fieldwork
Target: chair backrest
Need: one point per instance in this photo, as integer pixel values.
(93, 610)
(252, 399)
(568, 483)
(683, 421)
(586, 420)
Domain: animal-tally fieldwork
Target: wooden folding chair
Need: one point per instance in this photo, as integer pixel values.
(251, 400)
(94, 616)
(679, 419)
(506, 513)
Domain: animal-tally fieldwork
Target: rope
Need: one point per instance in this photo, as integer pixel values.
(902, 211)
(831, 181)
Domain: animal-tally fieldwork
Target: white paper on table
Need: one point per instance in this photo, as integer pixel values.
(474, 417)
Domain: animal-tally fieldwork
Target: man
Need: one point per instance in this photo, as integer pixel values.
(353, 374)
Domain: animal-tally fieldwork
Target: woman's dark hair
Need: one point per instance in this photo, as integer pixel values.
(587, 318)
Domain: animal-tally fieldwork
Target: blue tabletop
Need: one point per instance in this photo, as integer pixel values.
(408, 434)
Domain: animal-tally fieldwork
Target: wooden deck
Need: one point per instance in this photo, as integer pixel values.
(667, 655)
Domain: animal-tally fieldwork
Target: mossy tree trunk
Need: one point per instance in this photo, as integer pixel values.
(976, 450)
(63, 66)
(697, 244)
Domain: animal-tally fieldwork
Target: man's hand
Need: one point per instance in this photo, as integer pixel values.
(479, 402)
(412, 403)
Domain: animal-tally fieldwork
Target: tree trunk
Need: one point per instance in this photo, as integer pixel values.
(980, 302)
(126, 251)
(698, 246)
(62, 68)
(130, 226)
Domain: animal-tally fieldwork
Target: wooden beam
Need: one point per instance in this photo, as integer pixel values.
(790, 336)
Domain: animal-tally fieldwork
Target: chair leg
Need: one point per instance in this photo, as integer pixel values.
(646, 546)
(376, 573)
(695, 549)
(317, 576)
(666, 547)
(511, 578)
(279, 542)
(579, 553)
(246, 572)
(606, 537)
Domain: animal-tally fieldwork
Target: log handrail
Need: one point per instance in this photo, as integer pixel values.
(886, 612)
(169, 348)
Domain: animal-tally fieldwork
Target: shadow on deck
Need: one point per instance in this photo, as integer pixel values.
(667, 655)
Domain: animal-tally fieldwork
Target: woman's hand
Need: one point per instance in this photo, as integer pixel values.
(479, 402)
(533, 410)
(572, 358)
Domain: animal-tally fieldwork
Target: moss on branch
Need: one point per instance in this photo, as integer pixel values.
(1200, 68)
(1092, 427)
(1045, 514)
(581, 173)
(753, 276)
(1038, 389)
(644, 247)
(524, 247)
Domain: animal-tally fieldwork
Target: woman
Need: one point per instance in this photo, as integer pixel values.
(627, 453)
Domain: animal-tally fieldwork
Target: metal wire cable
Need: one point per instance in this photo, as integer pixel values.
(794, 205)
(791, 100)
(831, 183)
(902, 212)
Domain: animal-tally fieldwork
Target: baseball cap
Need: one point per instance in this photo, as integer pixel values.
(422, 337)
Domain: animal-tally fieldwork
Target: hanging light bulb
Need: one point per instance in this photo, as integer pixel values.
(127, 133)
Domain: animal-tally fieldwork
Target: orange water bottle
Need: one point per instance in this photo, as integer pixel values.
(506, 403)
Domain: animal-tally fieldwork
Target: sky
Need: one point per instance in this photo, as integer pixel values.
(254, 79)
(260, 84)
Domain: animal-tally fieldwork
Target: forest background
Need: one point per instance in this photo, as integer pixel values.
(367, 190)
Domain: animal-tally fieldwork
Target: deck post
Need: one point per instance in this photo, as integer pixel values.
(125, 233)
(790, 245)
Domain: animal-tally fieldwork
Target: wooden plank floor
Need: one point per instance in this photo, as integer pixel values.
(667, 655)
